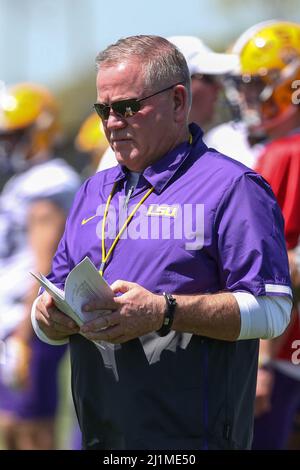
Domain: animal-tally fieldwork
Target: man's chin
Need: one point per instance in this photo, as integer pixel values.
(127, 159)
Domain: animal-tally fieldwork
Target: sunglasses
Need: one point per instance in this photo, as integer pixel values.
(125, 108)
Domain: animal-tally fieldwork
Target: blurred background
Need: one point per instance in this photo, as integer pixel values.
(55, 42)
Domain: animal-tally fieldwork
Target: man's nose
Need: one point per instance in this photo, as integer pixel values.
(115, 121)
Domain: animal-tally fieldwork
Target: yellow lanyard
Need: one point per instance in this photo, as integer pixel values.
(126, 223)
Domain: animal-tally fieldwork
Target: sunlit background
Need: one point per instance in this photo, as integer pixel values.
(54, 42)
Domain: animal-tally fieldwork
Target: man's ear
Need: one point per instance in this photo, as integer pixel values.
(180, 102)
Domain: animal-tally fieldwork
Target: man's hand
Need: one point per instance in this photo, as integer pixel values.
(55, 324)
(134, 313)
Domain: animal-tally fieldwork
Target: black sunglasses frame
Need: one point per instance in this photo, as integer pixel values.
(125, 108)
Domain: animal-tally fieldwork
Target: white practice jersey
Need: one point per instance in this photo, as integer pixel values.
(108, 160)
(230, 138)
(54, 180)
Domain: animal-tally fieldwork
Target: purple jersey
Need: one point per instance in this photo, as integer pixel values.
(210, 224)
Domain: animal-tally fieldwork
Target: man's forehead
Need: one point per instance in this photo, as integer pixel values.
(120, 79)
(120, 71)
(115, 68)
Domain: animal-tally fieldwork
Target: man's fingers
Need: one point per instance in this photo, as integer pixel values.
(46, 305)
(111, 335)
(102, 322)
(99, 305)
(47, 300)
(122, 286)
(54, 318)
(63, 320)
(65, 329)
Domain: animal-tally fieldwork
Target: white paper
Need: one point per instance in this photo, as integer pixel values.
(83, 284)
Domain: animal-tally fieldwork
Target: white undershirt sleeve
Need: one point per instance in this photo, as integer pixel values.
(40, 334)
(263, 316)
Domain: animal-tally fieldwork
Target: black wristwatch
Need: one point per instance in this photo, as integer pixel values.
(169, 315)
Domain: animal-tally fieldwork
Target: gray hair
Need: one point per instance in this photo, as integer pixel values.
(162, 64)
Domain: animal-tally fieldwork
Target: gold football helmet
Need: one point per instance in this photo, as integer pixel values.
(269, 65)
(91, 139)
(91, 135)
(29, 111)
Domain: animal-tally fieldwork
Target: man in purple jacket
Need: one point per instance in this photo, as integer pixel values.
(192, 245)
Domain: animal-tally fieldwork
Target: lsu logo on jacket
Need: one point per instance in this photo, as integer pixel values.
(162, 210)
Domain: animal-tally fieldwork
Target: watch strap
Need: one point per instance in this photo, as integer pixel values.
(169, 315)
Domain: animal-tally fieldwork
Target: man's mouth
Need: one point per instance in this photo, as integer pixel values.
(119, 141)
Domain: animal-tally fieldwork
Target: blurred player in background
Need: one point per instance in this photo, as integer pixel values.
(33, 208)
(267, 91)
(92, 141)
